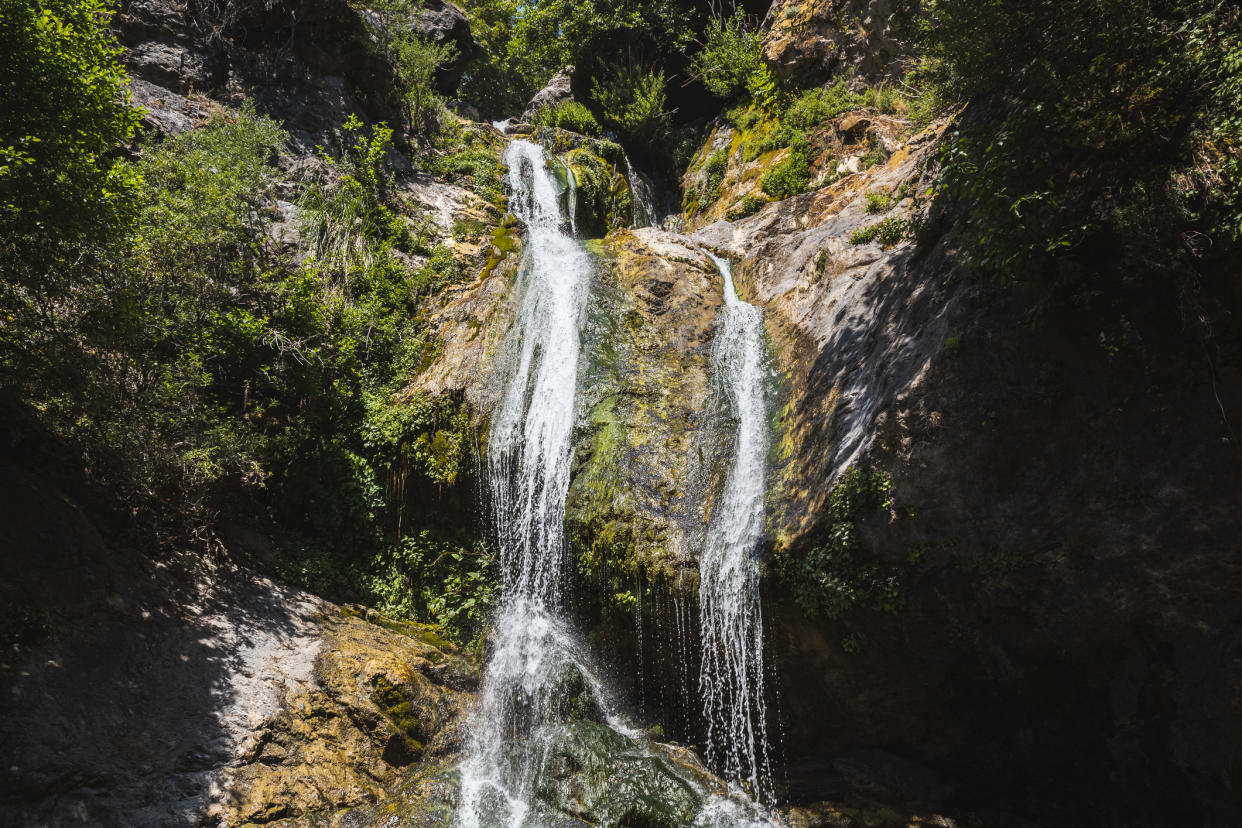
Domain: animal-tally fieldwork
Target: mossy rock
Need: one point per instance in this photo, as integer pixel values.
(604, 201)
(635, 503)
(592, 773)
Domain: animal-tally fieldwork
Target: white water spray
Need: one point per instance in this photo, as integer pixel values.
(732, 674)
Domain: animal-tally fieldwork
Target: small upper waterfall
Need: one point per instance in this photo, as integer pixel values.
(732, 673)
(536, 655)
(643, 193)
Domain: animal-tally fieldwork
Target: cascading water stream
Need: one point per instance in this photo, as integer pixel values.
(539, 675)
(731, 678)
(536, 655)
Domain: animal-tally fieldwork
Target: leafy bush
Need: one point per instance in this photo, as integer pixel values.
(569, 115)
(791, 176)
(525, 44)
(838, 574)
(632, 101)
(877, 202)
(66, 110)
(715, 169)
(888, 232)
(346, 209)
(1113, 136)
(415, 58)
(731, 63)
(749, 205)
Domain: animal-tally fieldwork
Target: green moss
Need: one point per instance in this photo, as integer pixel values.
(400, 711)
(604, 199)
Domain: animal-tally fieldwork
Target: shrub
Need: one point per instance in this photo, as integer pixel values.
(346, 209)
(731, 63)
(791, 176)
(877, 202)
(631, 100)
(66, 113)
(715, 169)
(750, 205)
(1108, 122)
(888, 232)
(393, 25)
(839, 574)
(569, 115)
(813, 107)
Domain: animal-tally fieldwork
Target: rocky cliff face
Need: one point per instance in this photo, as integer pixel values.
(809, 42)
(1040, 613)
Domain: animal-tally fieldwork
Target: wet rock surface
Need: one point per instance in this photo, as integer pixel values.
(637, 484)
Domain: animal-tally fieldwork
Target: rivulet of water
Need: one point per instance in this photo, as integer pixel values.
(731, 677)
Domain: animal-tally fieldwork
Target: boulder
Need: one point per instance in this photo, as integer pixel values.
(559, 89)
(443, 22)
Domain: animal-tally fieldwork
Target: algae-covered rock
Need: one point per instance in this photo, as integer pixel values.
(602, 777)
(602, 197)
(635, 497)
(383, 694)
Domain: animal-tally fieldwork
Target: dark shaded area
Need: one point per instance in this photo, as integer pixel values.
(1066, 497)
(117, 714)
(306, 63)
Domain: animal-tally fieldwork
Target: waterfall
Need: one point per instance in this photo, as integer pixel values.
(731, 677)
(643, 194)
(538, 664)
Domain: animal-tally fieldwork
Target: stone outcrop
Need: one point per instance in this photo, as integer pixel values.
(557, 90)
(637, 483)
(813, 41)
(445, 23)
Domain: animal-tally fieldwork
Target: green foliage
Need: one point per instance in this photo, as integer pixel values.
(815, 106)
(432, 578)
(632, 101)
(471, 159)
(199, 370)
(525, 44)
(749, 205)
(569, 115)
(393, 25)
(839, 574)
(66, 110)
(730, 62)
(888, 232)
(791, 176)
(715, 169)
(346, 209)
(877, 202)
(1111, 142)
